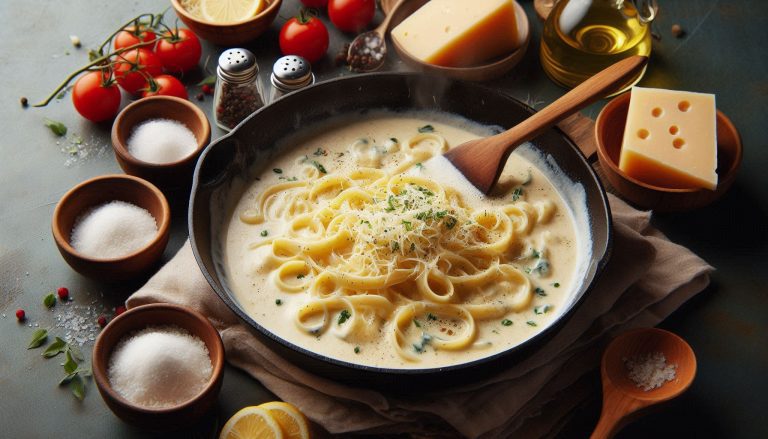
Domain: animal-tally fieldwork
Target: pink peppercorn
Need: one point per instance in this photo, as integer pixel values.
(63, 293)
(102, 321)
(207, 89)
(20, 315)
(119, 310)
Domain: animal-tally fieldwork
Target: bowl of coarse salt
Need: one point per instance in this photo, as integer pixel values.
(112, 227)
(159, 366)
(159, 139)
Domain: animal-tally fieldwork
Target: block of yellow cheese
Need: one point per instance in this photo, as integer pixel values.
(459, 33)
(670, 138)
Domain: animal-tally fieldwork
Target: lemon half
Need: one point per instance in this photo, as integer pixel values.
(228, 11)
(292, 422)
(251, 422)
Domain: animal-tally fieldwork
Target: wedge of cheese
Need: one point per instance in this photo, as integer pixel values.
(459, 33)
(670, 138)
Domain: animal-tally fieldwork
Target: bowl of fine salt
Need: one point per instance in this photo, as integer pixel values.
(112, 227)
(159, 366)
(159, 139)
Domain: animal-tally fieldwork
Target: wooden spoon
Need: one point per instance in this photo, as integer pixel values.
(371, 45)
(482, 160)
(623, 400)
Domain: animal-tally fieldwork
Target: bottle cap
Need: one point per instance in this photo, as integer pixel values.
(292, 72)
(237, 65)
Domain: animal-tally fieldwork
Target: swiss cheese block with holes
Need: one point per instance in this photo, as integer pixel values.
(459, 33)
(670, 139)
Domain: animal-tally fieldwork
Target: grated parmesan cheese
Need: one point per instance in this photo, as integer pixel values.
(650, 371)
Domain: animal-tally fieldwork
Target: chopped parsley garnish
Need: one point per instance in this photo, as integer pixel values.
(408, 225)
(542, 267)
(542, 309)
(300, 276)
(425, 191)
(441, 214)
(517, 193)
(320, 151)
(506, 322)
(344, 316)
(540, 292)
(394, 139)
(427, 129)
(278, 302)
(417, 323)
(420, 165)
(556, 284)
(531, 323)
(395, 246)
(450, 222)
(431, 316)
(264, 233)
(357, 349)
(277, 170)
(535, 253)
(421, 347)
(366, 222)
(319, 167)
(391, 203)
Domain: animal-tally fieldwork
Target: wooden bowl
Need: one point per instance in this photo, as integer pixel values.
(483, 72)
(100, 190)
(609, 132)
(230, 34)
(165, 175)
(154, 315)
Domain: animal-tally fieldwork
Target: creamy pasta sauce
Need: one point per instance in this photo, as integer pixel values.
(357, 245)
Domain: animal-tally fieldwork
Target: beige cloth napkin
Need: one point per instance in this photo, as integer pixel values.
(647, 278)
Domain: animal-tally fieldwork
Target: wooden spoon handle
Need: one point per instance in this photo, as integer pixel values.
(381, 29)
(596, 87)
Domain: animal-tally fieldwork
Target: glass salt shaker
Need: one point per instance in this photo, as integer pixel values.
(290, 73)
(238, 92)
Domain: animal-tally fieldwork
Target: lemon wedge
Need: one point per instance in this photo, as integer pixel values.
(251, 422)
(292, 422)
(228, 11)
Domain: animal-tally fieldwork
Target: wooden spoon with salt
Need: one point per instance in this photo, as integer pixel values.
(482, 160)
(623, 399)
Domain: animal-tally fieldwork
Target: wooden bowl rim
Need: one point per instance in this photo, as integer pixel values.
(602, 152)
(122, 150)
(507, 62)
(163, 226)
(265, 12)
(100, 374)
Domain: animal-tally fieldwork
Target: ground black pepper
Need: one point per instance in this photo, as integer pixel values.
(236, 103)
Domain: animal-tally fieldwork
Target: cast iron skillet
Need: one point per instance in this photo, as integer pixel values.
(251, 142)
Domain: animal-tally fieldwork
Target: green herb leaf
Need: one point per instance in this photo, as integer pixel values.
(277, 170)
(76, 354)
(391, 204)
(357, 349)
(506, 322)
(67, 378)
(320, 151)
(264, 233)
(540, 292)
(556, 284)
(366, 222)
(451, 222)
(70, 365)
(300, 276)
(408, 225)
(49, 300)
(542, 309)
(542, 267)
(531, 323)
(278, 302)
(535, 253)
(57, 128)
(517, 193)
(208, 80)
(425, 191)
(427, 129)
(77, 387)
(441, 214)
(55, 348)
(344, 316)
(395, 246)
(38, 338)
(417, 323)
(420, 165)
(431, 316)
(319, 167)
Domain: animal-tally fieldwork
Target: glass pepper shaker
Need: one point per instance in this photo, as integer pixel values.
(238, 92)
(290, 73)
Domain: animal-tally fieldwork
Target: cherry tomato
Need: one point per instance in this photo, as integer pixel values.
(179, 51)
(315, 3)
(305, 36)
(351, 15)
(165, 85)
(96, 97)
(129, 37)
(132, 68)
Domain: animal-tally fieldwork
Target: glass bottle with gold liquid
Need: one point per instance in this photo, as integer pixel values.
(582, 37)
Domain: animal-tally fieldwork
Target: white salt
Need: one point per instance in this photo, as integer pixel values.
(650, 371)
(159, 367)
(113, 230)
(161, 141)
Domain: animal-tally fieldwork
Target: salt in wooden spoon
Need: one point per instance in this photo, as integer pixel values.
(368, 51)
(482, 160)
(623, 399)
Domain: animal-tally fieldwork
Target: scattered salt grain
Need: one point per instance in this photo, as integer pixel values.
(650, 371)
(159, 367)
(161, 141)
(113, 230)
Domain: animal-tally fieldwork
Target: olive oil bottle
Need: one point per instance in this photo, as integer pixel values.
(582, 37)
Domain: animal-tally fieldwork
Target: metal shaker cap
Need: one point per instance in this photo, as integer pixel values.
(291, 73)
(237, 65)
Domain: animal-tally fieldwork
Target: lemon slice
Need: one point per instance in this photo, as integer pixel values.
(228, 11)
(292, 422)
(251, 422)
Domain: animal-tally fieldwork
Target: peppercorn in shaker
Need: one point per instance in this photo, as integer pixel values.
(238, 92)
(290, 73)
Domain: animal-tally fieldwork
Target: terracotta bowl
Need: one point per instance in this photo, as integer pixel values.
(166, 175)
(609, 132)
(483, 72)
(154, 315)
(230, 34)
(100, 190)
